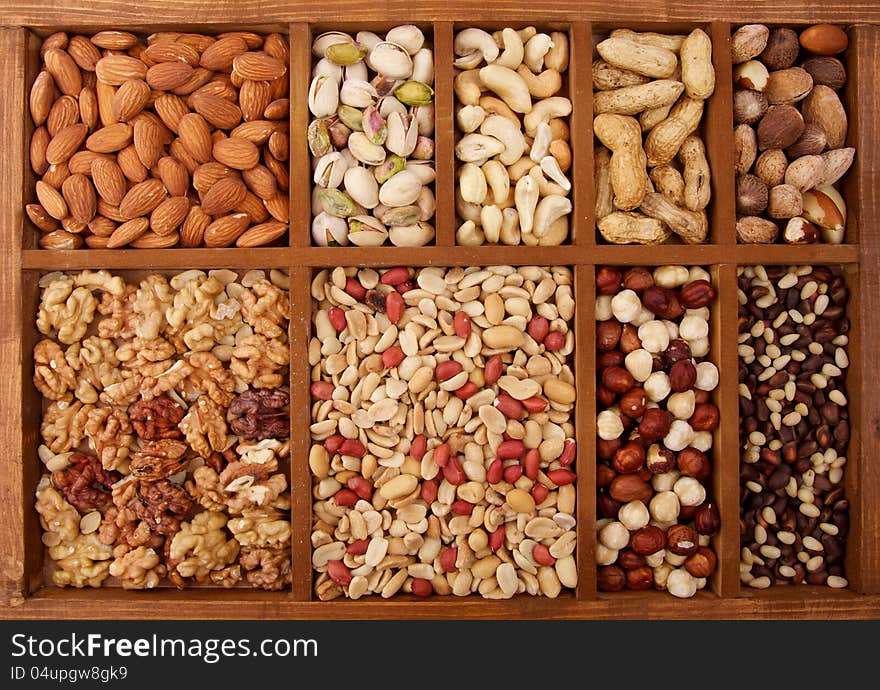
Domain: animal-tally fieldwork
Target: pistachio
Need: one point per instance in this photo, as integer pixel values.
(338, 203)
(365, 150)
(358, 93)
(400, 216)
(344, 53)
(351, 117)
(403, 134)
(361, 186)
(373, 125)
(319, 137)
(414, 92)
(392, 165)
(401, 190)
(329, 230)
(330, 170)
(323, 96)
(390, 60)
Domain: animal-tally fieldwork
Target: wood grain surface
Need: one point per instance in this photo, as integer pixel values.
(22, 594)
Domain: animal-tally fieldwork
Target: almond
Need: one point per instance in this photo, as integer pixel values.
(81, 161)
(64, 112)
(261, 234)
(170, 109)
(110, 211)
(278, 207)
(130, 99)
(147, 142)
(105, 93)
(207, 175)
(200, 42)
(823, 107)
(237, 153)
(173, 175)
(256, 131)
(279, 88)
(60, 239)
(64, 71)
(254, 98)
(168, 75)
(257, 65)
(278, 170)
(127, 232)
(193, 229)
(179, 151)
(142, 198)
(51, 200)
(824, 39)
(195, 136)
(56, 174)
(84, 53)
(41, 98)
(80, 197)
(277, 109)
(261, 181)
(88, 107)
(276, 46)
(71, 225)
(109, 180)
(251, 39)
(226, 230)
(114, 40)
(219, 87)
(152, 240)
(219, 56)
(110, 138)
(168, 215)
(279, 146)
(117, 69)
(224, 196)
(172, 51)
(65, 143)
(39, 144)
(199, 77)
(40, 218)
(217, 111)
(131, 165)
(101, 226)
(253, 206)
(56, 40)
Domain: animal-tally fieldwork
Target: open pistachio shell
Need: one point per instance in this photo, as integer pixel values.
(357, 93)
(362, 186)
(319, 138)
(327, 39)
(390, 60)
(329, 230)
(365, 150)
(373, 125)
(411, 235)
(390, 167)
(323, 96)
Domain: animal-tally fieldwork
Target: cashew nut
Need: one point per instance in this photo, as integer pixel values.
(544, 111)
(552, 170)
(510, 234)
(465, 209)
(509, 86)
(468, 87)
(549, 209)
(478, 147)
(495, 106)
(526, 196)
(491, 219)
(475, 40)
(535, 50)
(505, 131)
(469, 235)
(520, 168)
(498, 180)
(541, 144)
(557, 57)
(469, 118)
(541, 85)
(512, 56)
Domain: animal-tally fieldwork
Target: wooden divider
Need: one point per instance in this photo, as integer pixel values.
(444, 135)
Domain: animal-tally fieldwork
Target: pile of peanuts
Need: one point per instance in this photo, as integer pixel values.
(794, 427)
(442, 437)
(655, 426)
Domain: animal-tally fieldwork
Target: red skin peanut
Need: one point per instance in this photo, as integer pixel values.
(461, 324)
(496, 538)
(428, 491)
(361, 486)
(422, 587)
(446, 370)
(448, 558)
(358, 548)
(538, 328)
(569, 450)
(531, 463)
(510, 450)
(467, 390)
(554, 341)
(561, 477)
(353, 447)
(495, 471)
(394, 306)
(392, 357)
(534, 404)
(492, 372)
(441, 455)
(509, 407)
(512, 473)
(337, 318)
(395, 276)
(333, 443)
(539, 493)
(346, 498)
(541, 555)
(322, 390)
(418, 447)
(339, 573)
(462, 508)
(355, 289)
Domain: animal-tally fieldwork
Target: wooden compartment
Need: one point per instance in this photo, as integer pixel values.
(22, 593)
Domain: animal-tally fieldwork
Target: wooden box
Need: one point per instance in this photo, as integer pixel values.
(23, 590)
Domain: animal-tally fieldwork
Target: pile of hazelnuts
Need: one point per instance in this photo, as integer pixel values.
(655, 429)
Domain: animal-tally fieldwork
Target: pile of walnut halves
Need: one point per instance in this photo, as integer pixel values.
(165, 428)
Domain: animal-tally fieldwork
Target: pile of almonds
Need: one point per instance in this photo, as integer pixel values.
(790, 133)
(795, 426)
(179, 139)
(442, 437)
(655, 428)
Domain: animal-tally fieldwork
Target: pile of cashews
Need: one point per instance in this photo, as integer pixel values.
(514, 153)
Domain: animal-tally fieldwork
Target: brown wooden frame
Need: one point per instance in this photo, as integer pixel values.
(22, 594)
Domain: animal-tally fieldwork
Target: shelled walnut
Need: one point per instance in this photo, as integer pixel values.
(790, 136)
(652, 176)
(173, 431)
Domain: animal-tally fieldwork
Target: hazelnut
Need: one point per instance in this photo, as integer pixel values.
(618, 379)
(664, 507)
(678, 350)
(661, 575)
(780, 127)
(748, 106)
(634, 515)
(785, 201)
(707, 376)
(637, 280)
(810, 143)
(693, 327)
(681, 405)
(609, 358)
(751, 74)
(626, 306)
(629, 339)
(654, 425)
(656, 559)
(681, 540)
(702, 563)
(702, 440)
(605, 397)
(640, 578)
(630, 487)
(608, 280)
(654, 336)
(706, 519)
(665, 481)
(682, 375)
(630, 560)
(609, 425)
(657, 386)
(751, 195)
(639, 363)
(614, 535)
(689, 491)
(604, 555)
(659, 459)
(608, 334)
(633, 402)
(826, 71)
(679, 437)
(670, 276)
(696, 294)
(694, 463)
(771, 166)
(782, 49)
(607, 507)
(604, 475)
(662, 302)
(606, 450)
(610, 578)
(686, 513)
(630, 458)
(800, 231)
(680, 583)
(603, 308)
(704, 418)
(647, 540)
